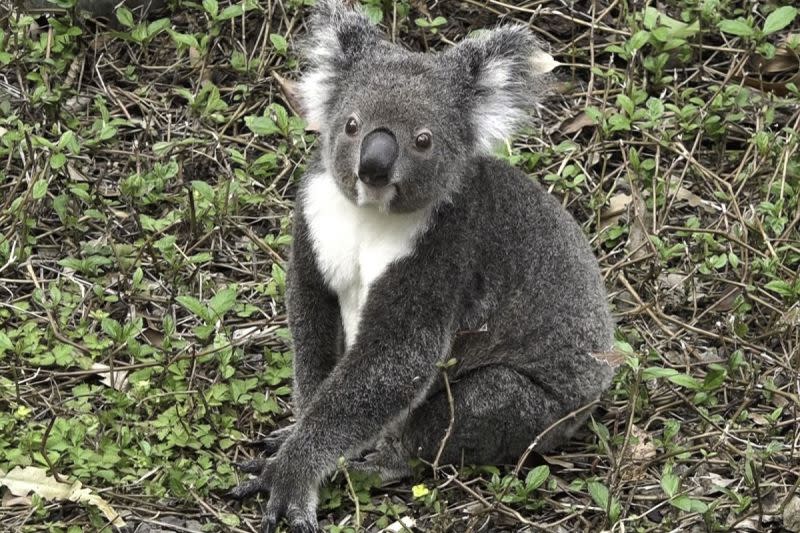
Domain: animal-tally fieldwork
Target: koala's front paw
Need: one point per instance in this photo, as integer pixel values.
(291, 498)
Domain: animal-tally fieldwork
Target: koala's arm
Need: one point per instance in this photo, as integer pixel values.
(406, 328)
(313, 312)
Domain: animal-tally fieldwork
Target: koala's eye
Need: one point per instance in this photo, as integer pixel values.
(351, 128)
(424, 140)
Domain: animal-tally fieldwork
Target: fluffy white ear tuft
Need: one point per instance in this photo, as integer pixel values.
(498, 112)
(542, 63)
(339, 34)
(509, 74)
(315, 90)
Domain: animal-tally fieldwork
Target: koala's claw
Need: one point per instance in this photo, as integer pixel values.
(269, 524)
(303, 527)
(252, 466)
(300, 522)
(297, 520)
(245, 489)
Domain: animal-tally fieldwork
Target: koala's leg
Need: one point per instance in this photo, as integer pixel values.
(498, 412)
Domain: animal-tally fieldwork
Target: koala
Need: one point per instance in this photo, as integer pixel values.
(414, 246)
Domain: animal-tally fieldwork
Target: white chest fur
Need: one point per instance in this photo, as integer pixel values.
(354, 245)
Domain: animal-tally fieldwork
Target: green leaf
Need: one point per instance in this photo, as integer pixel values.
(779, 19)
(69, 141)
(202, 257)
(626, 103)
(222, 302)
(138, 275)
(650, 17)
(684, 503)
(601, 497)
(781, 287)
(618, 123)
(194, 306)
(5, 343)
(537, 477)
(156, 224)
(107, 132)
(39, 189)
(57, 161)
(124, 16)
(433, 24)
(680, 32)
(230, 520)
(211, 7)
(655, 372)
(185, 39)
(279, 275)
(670, 483)
(595, 114)
(373, 13)
(698, 506)
(261, 125)
(204, 190)
(111, 328)
(685, 380)
(278, 42)
(655, 108)
(714, 378)
(157, 26)
(599, 493)
(281, 116)
(681, 502)
(638, 40)
(231, 12)
(739, 27)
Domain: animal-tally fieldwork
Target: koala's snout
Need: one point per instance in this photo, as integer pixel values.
(378, 153)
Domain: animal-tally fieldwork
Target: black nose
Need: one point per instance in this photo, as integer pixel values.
(378, 153)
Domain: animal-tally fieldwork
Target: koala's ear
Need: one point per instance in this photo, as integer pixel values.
(339, 34)
(506, 75)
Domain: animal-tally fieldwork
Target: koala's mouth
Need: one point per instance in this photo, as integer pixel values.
(380, 196)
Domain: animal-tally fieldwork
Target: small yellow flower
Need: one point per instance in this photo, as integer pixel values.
(419, 491)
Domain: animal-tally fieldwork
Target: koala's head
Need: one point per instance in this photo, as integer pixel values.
(398, 128)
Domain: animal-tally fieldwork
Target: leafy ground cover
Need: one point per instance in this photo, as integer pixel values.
(147, 172)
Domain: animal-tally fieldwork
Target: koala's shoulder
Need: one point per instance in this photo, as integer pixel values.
(495, 178)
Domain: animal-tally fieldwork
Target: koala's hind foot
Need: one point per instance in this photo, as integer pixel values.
(291, 499)
(498, 414)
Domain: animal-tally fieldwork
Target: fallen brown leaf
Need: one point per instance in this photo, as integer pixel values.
(637, 455)
(638, 238)
(690, 197)
(776, 73)
(116, 379)
(575, 124)
(420, 6)
(612, 358)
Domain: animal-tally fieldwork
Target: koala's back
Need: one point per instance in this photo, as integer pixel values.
(537, 286)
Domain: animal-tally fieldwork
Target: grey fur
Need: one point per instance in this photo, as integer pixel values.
(497, 251)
